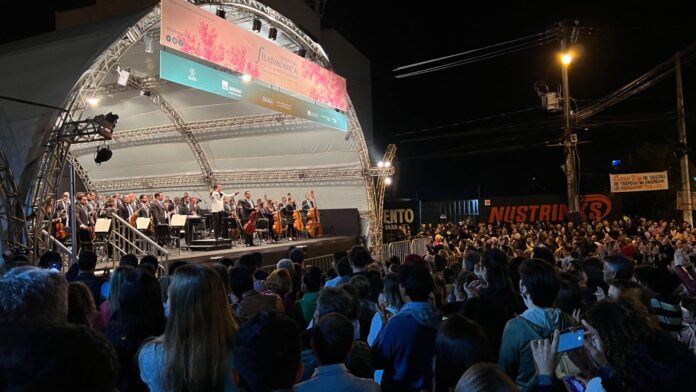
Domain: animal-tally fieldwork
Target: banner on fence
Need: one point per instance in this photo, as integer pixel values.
(639, 182)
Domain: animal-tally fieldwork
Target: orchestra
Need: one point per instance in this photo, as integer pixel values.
(226, 218)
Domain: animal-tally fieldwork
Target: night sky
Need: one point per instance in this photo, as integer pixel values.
(507, 156)
(504, 155)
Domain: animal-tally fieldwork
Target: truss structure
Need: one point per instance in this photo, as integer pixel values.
(13, 228)
(237, 125)
(56, 152)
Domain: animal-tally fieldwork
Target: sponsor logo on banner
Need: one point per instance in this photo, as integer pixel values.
(398, 213)
(593, 207)
(638, 182)
(194, 31)
(189, 73)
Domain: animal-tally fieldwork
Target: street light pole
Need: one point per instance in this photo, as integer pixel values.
(685, 178)
(568, 140)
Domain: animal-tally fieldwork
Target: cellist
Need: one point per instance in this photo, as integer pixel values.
(307, 204)
(248, 207)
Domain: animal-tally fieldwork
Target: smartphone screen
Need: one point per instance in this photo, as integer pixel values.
(54, 265)
(570, 340)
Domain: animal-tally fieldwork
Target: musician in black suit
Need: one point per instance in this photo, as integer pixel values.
(248, 207)
(84, 223)
(159, 213)
(144, 207)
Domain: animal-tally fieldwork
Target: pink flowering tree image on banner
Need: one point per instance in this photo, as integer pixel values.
(203, 44)
(327, 87)
(237, 60)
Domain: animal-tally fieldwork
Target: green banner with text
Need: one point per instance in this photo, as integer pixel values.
(190, 73)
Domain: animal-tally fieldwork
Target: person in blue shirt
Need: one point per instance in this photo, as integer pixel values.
(406, 346)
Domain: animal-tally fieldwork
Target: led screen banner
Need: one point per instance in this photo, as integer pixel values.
(638, 182)
(190, 73)
(196, 32)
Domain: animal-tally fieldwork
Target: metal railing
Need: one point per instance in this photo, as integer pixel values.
(53, 243)
(400, 249)
(125, 239)
(419, 246)
(324, 262)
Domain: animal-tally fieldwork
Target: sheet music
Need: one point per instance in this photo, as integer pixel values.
(102, 226)
(178, 220)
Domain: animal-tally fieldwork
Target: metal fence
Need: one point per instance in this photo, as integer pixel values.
(324, 262)
(419, 246)
(401, 249)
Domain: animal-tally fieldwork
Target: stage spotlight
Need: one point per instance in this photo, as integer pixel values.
(92, 101)
(302, 52)
(220, 12)
(273, 33)
(145, 92)
(388, 181)
(246, 78)
(107, 121)
(256, 25)
(103, 154)
(380, 164)
(387, 164)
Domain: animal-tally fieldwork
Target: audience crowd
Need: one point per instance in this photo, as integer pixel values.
(596, 306)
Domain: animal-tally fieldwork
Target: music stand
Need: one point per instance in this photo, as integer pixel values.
(178, 222)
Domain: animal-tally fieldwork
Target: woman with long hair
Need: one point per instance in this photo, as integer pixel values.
(496, 302)
(195, 351)
(645, 357)
(139, 316)
(111, 306)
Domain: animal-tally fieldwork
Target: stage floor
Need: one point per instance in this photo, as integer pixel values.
(272, 253)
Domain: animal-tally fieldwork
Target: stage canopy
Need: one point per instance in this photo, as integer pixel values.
(171, 137)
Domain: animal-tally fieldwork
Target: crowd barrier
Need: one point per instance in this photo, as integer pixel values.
(401, 249)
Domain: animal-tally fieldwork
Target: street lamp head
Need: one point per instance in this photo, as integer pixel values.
(566, 58)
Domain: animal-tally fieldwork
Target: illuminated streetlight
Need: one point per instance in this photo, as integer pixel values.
(380, 164)
(566, 58)
(93, 101)
(388, 181)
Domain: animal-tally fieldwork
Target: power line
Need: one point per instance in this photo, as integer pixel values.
(498, 53)
(537, 35)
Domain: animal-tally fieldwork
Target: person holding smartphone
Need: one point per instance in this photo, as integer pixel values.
(539, 286)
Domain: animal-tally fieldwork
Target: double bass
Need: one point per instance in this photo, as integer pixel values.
(313, 225)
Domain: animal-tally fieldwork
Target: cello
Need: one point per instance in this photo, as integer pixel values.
(297, 218)
(250, 226)
(313, 225)
(277, 223)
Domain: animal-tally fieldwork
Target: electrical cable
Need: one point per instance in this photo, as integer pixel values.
(483, 57)
(468, 52)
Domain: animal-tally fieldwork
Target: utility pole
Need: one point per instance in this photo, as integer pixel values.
(685, 178)
(569, 139)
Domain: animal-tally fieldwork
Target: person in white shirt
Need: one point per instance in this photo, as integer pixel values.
(217, 206)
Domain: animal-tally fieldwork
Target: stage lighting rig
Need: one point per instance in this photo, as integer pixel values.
(98, 128)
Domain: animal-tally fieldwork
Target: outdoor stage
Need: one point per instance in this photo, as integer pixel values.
(272, 253)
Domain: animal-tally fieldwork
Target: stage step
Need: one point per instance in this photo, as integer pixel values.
(210, 244)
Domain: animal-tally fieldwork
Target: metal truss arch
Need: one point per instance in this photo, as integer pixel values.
(56, 149)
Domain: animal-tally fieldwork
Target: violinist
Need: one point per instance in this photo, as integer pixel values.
(247, 206)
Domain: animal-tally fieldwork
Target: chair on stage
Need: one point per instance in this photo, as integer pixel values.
(233, 227)
(261, 228)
